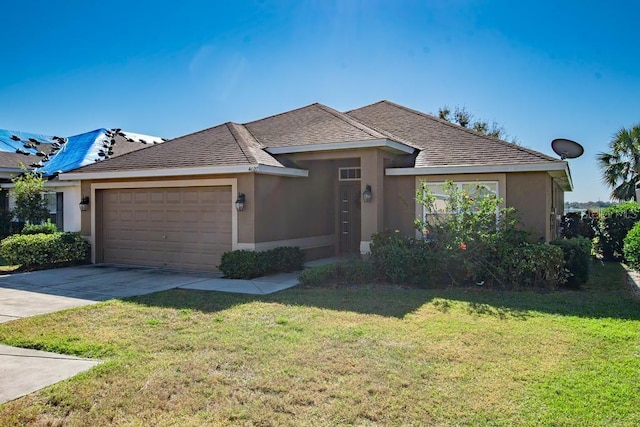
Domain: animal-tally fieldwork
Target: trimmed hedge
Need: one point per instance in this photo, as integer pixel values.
(44, 228)
(577, 257)
(244, 264)
(632, 247)
(613, 226)
(43, 249)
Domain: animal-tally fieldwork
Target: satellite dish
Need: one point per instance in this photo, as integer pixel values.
(566, 148)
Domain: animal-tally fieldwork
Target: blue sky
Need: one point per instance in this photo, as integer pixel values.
(542, 70)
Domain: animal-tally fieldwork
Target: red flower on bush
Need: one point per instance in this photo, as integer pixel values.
(463, 246)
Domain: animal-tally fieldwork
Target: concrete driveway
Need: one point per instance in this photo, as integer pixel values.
(24, 371)
(38, 292)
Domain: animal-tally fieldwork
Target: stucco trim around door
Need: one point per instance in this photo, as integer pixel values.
(223, 182)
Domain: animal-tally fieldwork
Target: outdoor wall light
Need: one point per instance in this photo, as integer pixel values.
(84, 203)
(366, 194)
(240, 202)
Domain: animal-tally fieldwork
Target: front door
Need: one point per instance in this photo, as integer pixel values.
(349, 217)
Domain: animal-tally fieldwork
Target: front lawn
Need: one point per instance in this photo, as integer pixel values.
(358, 356)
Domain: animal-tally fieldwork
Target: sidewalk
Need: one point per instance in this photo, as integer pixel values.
(24, 371)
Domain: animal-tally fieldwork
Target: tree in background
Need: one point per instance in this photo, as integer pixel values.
(621, 166)
(30, 205)
(464, 118)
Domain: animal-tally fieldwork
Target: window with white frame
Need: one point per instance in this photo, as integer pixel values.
(475, 190)
(349, 174)
(55, 208)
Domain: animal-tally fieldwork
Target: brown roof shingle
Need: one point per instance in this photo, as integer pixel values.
(313, 124)
(223, 145)
(442, 143)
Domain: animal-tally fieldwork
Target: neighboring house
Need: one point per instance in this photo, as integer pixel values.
(51, 155)
(313, 177)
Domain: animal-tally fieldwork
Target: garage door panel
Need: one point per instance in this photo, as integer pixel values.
(167, 227)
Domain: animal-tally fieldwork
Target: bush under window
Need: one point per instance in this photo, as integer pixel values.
(477, 243)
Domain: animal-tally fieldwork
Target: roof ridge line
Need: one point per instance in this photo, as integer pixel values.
(280, 114)
(349, 120)
(471, 131)
(231, 126)
(384, 132)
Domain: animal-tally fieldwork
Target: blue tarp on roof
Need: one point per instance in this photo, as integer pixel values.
(10, 145)
(80, 150)
(64, 154)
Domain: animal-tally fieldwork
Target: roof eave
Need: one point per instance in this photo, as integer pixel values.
(558, 170)
(206, 170)
(384, 144)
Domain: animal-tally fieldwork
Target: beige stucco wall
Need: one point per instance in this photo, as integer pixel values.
(293, 208)
(531, 194)
(399, 204)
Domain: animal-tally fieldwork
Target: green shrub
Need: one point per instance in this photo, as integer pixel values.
(353, 272)
(244, 264)
(44, 228)
(613, 226)
(397, 259)
(43, 249)
(632, 247)
(241, 264)
(577, 258)
(536, 266)
(577, 224)
(286, 258)
(318, 275)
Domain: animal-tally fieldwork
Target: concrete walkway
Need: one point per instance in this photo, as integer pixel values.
(23, 371)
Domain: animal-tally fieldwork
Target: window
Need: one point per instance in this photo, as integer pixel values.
(54, 206)
(476, 190)
(349, 174)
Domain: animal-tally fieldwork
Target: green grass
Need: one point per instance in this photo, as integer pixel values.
(357, 356)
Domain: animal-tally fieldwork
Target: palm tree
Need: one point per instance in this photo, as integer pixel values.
(621, 167)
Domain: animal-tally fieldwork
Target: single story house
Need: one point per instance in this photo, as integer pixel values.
(313, 177)
(52, 155)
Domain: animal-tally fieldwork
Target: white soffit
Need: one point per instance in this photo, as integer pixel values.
(384, 144)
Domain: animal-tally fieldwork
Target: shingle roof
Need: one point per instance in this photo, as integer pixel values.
(313, 124)
(223, 145)
(442, 143)
(13, 160)
(439, 142)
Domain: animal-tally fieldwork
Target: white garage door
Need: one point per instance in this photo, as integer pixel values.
(185, 228)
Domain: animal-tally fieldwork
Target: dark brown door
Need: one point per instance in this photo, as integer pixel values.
(349, 217)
